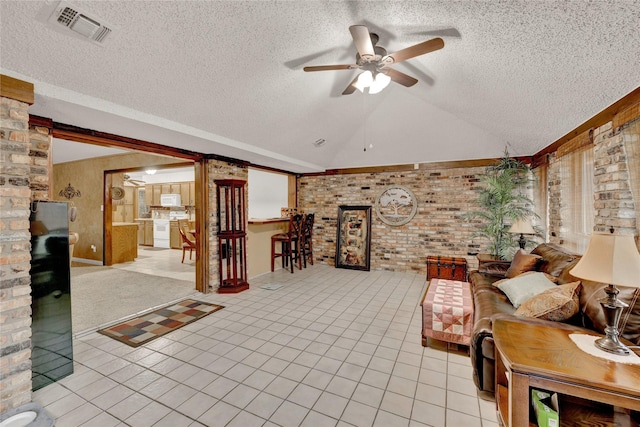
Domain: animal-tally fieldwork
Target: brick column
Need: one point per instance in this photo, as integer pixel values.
(15, 256)
(614, 203)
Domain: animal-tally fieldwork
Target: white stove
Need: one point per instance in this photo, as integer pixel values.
(161, 233)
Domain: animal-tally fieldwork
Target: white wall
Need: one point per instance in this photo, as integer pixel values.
(268, 192)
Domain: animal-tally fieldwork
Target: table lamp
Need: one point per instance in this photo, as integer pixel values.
(612, 259)
(522, 226)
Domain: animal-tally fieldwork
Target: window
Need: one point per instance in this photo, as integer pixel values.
(631, 137)
(577, 207)
(541, 200)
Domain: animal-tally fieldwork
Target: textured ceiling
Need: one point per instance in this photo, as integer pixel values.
(226, 77)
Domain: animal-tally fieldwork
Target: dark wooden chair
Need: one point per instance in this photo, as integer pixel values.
(187, 243)
(307, 241)
(291, 244)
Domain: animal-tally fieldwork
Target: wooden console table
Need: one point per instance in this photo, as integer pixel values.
(545, 358)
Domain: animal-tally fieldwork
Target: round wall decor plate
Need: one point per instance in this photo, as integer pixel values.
(396, 205)
(117, 193)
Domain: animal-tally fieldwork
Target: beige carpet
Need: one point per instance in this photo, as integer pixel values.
(103, 295)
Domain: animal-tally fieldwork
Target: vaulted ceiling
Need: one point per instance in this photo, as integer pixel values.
(226, 78)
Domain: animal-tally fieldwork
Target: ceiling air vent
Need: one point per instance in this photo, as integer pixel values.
(69, 17)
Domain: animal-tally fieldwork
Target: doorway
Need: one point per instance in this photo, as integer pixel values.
(154, 277)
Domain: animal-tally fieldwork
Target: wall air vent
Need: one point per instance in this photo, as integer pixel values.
(319, 142)
(72, 20)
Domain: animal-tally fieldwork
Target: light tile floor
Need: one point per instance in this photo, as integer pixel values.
(162, 262)
(331, 347)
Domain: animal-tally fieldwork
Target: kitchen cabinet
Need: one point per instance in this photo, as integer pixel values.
(148, 232)
(186, 190)
(157, 190)
(148, 194)
(185, 195)
(124, 242)
(175, 241)
(140, 231)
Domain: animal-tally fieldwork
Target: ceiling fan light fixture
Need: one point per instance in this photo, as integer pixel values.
(380, 82)
(364, 80)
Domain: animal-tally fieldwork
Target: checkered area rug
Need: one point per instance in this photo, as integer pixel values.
(141, 330)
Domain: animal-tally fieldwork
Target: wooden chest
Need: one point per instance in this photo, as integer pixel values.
(443, 267)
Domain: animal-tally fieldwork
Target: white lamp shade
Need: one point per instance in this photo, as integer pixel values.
(380, 82)
(364, 80)
(522, 226)
(611, 259)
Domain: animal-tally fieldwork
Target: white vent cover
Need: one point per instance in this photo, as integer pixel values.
(72, 19)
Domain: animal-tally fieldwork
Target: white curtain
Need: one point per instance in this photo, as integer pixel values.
(631, 138)
(577, 210)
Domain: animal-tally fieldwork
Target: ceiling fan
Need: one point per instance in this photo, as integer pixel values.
(134, 182)
(376, 63)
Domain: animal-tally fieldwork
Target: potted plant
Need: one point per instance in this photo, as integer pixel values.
(501, 202)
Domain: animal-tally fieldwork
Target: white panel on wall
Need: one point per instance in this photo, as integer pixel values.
(268, 192)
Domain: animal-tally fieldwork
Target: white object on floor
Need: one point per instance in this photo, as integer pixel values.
(271, 286)
(586, 344)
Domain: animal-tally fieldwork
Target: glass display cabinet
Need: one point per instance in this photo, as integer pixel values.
(232, 235)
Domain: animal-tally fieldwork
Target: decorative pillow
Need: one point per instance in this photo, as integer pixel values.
(521, 263)
(521, 288)
(551, 278)
(558, 304)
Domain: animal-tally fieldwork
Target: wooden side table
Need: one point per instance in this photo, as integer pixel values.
(543, 357)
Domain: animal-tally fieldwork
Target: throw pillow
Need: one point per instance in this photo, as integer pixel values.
(521, 263)
(551, 278)
(557, 304)
(521, 288)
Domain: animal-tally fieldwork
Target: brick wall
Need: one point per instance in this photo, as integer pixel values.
(614, 202)
(219, 170)
(437, 229)
(15, 257)
(41, 169)
(445, 195)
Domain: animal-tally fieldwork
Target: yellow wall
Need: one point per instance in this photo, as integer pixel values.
(87, 176)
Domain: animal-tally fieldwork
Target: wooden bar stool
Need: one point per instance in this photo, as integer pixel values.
(290, 244)
(307, 232)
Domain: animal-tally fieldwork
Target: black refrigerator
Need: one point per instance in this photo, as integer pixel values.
(51, 340)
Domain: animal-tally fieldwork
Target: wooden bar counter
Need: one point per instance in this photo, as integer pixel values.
(259, 234)
(124, 242)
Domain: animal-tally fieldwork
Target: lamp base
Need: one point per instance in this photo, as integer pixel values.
(612, 309)
(612, 345)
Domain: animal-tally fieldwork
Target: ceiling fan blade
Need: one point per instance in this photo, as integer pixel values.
(362, 40)
(351, 88)
(402, 78)
(330, 67)
(413, 51)
(440, 32)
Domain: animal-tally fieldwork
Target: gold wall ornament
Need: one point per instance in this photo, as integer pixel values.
(396, 205)
(69, 192)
